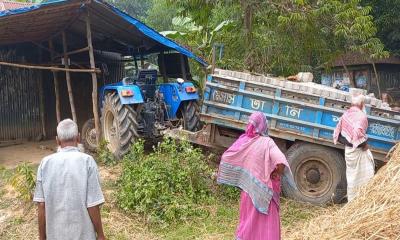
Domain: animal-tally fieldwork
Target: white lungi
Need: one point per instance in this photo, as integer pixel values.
(360, 168)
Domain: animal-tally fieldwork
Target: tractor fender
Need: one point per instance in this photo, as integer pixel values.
(175, 93)
(136, 98)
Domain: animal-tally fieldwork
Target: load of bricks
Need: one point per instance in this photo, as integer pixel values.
(307, 87)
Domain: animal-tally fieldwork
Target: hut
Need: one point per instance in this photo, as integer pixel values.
(375, 75)
(55, 56)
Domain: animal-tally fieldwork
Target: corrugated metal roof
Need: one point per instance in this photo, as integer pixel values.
(7, 5)
(351, 59)
(113, 30)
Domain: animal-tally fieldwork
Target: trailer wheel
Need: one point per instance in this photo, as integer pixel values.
(89, 135)
(319, 173)
(190, 113)
(119, 125)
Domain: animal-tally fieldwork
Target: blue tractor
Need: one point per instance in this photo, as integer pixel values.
(140, 107)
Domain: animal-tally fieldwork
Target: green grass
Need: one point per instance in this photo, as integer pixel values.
(220, 224)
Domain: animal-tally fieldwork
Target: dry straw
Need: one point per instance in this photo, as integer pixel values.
(374, 214)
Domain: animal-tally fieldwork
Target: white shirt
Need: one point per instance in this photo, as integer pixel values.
(68, 183)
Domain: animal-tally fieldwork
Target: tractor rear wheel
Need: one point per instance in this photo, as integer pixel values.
(319, 173)
(119, 125)
(190, 113)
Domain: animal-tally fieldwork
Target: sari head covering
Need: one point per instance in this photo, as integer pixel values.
(249, 162)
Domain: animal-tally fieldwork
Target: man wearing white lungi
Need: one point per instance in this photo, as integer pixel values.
(352, 132)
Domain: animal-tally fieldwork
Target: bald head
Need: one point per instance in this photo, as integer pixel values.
(358, 101)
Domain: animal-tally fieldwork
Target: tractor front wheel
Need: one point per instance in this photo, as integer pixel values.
(119, 125)
(190, 116)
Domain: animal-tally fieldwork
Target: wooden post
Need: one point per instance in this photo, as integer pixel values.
(94, 79)
(68, 77)
(141, 61)
(352, 84)
(136, 64)
(56, 88)
(183, 67)
(41, 97)
(213, 59)
(377, 80)
(164, 72)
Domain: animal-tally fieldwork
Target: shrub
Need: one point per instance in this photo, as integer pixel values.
(167, 185)
(23, 180)
(104, 155)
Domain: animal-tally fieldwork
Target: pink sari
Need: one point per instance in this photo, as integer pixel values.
(248, 164)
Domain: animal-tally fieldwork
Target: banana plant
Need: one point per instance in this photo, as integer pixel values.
(200, 38)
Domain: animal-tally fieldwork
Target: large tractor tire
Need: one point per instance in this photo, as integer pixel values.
(319, 173)
(119, 125)
(190, 113)
(89, 136)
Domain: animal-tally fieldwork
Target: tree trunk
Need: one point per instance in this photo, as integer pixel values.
(248, 31)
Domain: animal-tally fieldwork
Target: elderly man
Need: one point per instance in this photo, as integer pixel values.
(68, 190)
(351, 131)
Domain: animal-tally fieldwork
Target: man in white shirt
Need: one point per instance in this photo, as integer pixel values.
(68, 191)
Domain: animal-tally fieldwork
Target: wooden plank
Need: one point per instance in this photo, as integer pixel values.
(85, 49)
(56, 87)
(94, 79)
(50, 68)
(68, 78)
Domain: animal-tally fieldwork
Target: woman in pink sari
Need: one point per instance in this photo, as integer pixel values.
(255, 164)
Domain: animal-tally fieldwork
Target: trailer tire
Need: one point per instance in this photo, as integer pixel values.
(319, 173)
(89, 136)
(190, 113)
(119, 125)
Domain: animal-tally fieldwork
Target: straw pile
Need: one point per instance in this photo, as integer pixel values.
(374, 214)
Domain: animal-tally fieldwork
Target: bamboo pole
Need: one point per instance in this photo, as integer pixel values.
(377, 80)
(68, 78)
(41, 98)
(57, 69)
(56, 88)
(94, 79)
(85, 49)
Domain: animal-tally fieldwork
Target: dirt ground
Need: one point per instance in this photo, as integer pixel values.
(18, 219)
(32, 152)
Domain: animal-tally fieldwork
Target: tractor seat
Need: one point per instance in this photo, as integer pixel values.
(146, 79)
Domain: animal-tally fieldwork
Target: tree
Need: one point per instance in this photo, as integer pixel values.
(160, 15)
(286, 36)
(387, 19)
(136, 8)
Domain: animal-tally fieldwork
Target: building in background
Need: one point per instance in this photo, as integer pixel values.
(357, 70)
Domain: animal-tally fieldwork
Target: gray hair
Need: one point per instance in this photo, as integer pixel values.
(358, 100)
(67, 130)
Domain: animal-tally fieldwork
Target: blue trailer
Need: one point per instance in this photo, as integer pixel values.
(301, 124)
